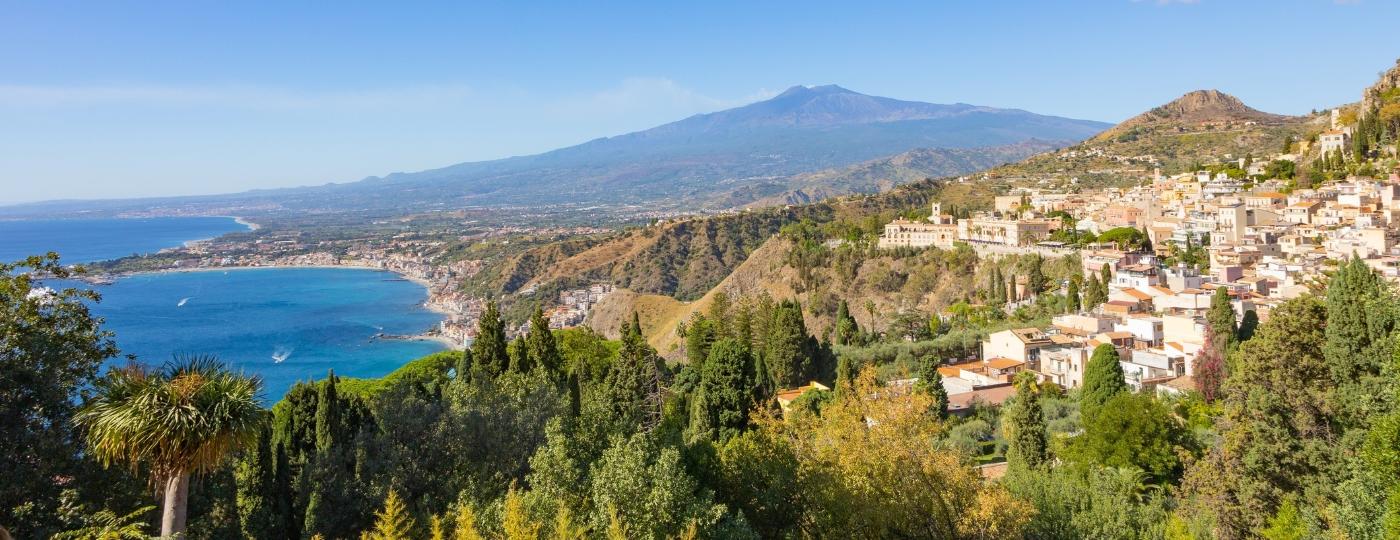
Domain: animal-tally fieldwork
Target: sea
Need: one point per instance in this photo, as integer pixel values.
(282, 324)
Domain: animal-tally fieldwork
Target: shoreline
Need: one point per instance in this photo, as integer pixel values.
(430, 335)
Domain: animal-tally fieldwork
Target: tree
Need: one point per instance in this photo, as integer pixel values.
(643, 486)
(931, 384)
(393, 522)
(489, 348)
(51, 348)
(1103, 379)
(846, 329)
(1035, 277)
(543, 349)
(464, 525)
(1072, 296)
(1221, 319)
(1278, 433)
(1025, 425)
(1248, 325)
(1209, 372)
(699, 335)
(788, 350)
(1361, 312)
(633, 385)
(519, 353)
(257, 489)
(182, 419)
(1133, 430)
(1096, 293)
(726, 389)
(1106, 277)
(1286, 524)
(515, 520)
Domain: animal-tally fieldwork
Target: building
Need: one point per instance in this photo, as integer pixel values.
(1007, 232)
(1334, 141)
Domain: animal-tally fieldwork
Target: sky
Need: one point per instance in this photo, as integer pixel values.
(134, 99)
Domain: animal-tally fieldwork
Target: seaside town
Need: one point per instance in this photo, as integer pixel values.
(1163, 251)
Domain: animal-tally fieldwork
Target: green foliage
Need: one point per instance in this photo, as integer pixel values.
(1103, 379)
(725, 392)
(931, 384)
(106, 525)
(51, 347)
(647, 487)
(1286, 524)
(1133, 431)
(1221, 319)
(1071, 503)
(1361, 317)
(489, 349)
(1128, 238)
(1025, 425)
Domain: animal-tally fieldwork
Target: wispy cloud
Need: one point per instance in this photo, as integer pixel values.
(230, 96)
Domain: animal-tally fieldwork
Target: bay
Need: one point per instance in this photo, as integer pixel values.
(313, 319)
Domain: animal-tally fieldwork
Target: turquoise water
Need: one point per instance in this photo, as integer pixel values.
(314, 319)
(88, 240)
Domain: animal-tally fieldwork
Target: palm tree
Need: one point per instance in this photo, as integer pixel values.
(181, 419)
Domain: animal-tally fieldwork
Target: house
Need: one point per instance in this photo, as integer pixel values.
(787, 396)
(1021, 344)
(1334, 141)
(963, 403)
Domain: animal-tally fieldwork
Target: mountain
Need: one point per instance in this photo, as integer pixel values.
(717, 160)
(1198, 108)
(710, 155)
(1198, 127)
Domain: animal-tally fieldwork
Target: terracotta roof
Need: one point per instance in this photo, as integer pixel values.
(1001, 362)
(1137, 294)
(991, 395)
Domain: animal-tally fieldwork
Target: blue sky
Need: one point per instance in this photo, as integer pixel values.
(122, 99)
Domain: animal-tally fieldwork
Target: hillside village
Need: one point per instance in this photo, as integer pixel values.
(1258, 241)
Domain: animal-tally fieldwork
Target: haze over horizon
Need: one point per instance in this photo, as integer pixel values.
(115, 101)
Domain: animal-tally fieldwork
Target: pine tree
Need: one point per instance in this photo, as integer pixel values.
(393, 522)
(543, 349)
(931, 384)
(633, 384)
(1103, 379)
(1026, 443)
(489, 349)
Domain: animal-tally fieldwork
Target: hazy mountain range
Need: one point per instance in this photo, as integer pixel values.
(762, 152)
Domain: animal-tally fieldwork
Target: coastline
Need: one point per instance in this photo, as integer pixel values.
(248, 224)
(429, 335)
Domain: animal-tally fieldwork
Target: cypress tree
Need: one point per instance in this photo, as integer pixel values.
(1035, 277)
(632, 385)
(489, 349)
(1360, 321)
(1106, 277)
(543, 349)
(1248, 324)
(330, 511)
(931, 384)
(1103, 379)
(726, 387)
(520, 360)
(465, 366)
(788, 351)
(1072, 300)
(1026, 444)
(1221, 318)
(257, 489)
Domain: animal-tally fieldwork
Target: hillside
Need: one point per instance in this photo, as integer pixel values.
(718, 160)
(1199, 127)
(882, 174)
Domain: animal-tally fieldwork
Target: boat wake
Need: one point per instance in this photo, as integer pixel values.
(280, 354)
(183, 300)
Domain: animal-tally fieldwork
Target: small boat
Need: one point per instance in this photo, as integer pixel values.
(280, 354)
(183, 300)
